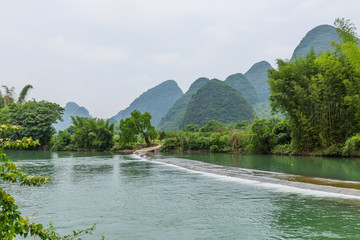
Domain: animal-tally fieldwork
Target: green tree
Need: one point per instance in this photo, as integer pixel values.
(136, 124)
(36, 119)
(191, 128)
(93, 134)
(213, 126)
(262, 138)
(60, 141)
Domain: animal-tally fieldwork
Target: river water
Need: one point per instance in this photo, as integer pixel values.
(191, 196)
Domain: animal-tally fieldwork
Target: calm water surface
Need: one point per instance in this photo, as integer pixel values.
(132, 198)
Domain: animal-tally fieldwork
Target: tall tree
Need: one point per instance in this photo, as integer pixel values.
(93, 134)
(136, 124)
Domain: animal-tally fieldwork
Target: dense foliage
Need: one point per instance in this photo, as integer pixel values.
(262, 136)
(91, 134)
(319, 94)
(36, 119)
(172, 120)
(137, 124)
(243, 85)
(217, 100)
(156, 101)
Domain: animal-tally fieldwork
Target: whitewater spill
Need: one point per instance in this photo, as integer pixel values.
(281, 182)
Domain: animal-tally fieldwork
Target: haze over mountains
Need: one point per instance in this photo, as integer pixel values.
(171, 109)
(71, 109)
(157, 101)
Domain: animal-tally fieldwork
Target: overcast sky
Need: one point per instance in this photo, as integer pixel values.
(103, 54)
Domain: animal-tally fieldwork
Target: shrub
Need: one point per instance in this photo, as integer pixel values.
(333, 150)
(352, 146)
(170, 144)
(214, 148)
(60, 141)
(284, 149)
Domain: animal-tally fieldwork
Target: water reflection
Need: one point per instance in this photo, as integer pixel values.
(135, 169)
(95, 169)
(297, 217)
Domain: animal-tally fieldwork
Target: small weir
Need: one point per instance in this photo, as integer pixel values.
(349, 189)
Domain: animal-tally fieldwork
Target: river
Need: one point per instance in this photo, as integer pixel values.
(191, 196)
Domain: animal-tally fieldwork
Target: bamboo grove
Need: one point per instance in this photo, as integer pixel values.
(319, 94)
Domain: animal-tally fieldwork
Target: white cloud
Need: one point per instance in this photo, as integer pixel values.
(86, 52)
(161, 59)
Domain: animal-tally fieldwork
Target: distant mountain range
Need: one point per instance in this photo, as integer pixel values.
(171, 109)
(172, 120)
(71, 109)
(157, 101)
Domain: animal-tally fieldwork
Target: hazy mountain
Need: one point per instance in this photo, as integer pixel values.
(157, 101)
(241, 83)
(219, 101)
(319, 38)
(257, 75)
(171, 121)
(71, 109)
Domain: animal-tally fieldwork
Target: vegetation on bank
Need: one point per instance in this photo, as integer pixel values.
(262, 136)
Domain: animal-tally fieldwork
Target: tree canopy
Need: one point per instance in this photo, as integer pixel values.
(137, 124)
(93, 134)
(36, 119)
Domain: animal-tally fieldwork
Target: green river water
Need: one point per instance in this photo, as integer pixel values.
(188, 196)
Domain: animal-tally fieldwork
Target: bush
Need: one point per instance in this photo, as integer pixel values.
(240, 139)
(352, 146)
(170, 144)
(60, 141)
(284, 149)
(214, 148)
(161, 135)
(333, 150)
(191, 128)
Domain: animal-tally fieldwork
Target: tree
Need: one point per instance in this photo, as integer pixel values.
(191, 128)
(93, 134)
(36, 119)
(13, 224)
(9, 96)
(136, 124)
(213, 126)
